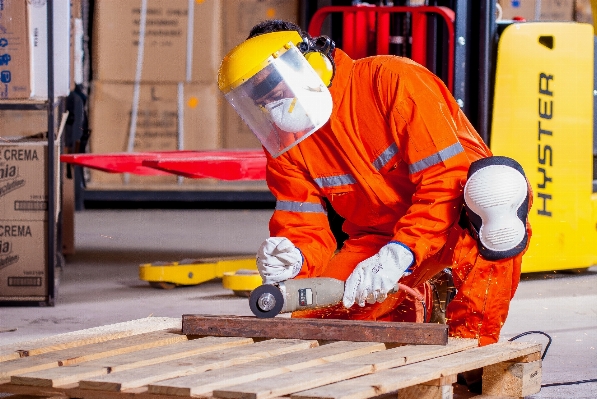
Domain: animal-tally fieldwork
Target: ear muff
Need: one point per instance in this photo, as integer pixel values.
(318, 53)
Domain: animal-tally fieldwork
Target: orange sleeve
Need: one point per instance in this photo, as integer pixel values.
(300, 213)
(426, 120)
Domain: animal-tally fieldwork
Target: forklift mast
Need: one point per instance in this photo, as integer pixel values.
(425, 37)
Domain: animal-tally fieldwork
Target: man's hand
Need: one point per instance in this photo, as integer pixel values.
(278, 260)
(374, 277)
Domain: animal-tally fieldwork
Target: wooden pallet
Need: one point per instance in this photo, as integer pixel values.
(151, 359)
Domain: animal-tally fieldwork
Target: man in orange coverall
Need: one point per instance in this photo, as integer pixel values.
(392, 152)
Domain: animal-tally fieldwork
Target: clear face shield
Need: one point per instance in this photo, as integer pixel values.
(283, 103)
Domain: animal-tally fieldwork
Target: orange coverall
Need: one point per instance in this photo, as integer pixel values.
(392, 160)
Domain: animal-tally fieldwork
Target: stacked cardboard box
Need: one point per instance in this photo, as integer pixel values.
(155, 77)
(24, 217)
(24, 49)
(240, 16)
(154, 87)
(538, 10)
(583, 12)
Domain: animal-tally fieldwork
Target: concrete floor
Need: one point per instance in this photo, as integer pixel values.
(100, 286)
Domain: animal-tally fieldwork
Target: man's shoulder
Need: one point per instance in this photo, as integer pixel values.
(397, 64)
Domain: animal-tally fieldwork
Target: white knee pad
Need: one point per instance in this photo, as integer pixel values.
(496, 199)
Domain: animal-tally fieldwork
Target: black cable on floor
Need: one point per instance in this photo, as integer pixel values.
(534, 332)
(555, 384)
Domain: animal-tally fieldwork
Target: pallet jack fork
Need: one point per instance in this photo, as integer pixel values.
(167, 275)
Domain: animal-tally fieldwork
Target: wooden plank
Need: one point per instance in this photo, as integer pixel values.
(88, 352)
(61, 376)
(512, 379)
(57, 396)
(129, 379)
(288, 383)
(440, 388)
(321, 329)
(392, 380)
(426, 392)
(205, 383)
(86, 337)
(412, 353)
(139, 393)
(17, 390)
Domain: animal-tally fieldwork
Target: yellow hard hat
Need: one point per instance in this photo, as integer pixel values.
(249, 57)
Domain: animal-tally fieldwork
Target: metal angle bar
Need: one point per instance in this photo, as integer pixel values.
(320, 329)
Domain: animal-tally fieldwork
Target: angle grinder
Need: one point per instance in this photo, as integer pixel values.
(269, 300)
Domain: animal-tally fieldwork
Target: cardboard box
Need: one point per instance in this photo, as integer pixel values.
(557, 10)
(236, 132)
(583, 12)
(538, 10)
(23, 259)
(159, 111)
(24, 182)
(240, 17)
(169, 53)
(16, 123)
(14, 50)
(38, 45)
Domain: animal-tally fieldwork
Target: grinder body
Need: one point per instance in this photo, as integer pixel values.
(269, 300)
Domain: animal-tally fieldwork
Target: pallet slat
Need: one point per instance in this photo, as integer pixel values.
(139, 377)
(294, 381)
(412, 353)
(86, 337)
(89, 352)
(69, 375)
(321, 329)
(392, 380)
(152, 365)
(350, 368)
(205, 383)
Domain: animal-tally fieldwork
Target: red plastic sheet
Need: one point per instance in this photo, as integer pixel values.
(223, 165)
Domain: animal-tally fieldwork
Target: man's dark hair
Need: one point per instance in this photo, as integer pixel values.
(275, 25)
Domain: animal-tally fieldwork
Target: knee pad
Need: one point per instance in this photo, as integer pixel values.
(496, 199)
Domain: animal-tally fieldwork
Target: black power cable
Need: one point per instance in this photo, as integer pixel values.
(534, 332)
(554, 384)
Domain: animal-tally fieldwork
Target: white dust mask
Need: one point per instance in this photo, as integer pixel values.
(289, 115)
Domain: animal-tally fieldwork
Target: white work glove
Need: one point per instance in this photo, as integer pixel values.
(278, 260)
(375, 277)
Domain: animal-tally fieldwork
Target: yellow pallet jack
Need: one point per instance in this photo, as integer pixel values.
(237, 273)
(242, 282)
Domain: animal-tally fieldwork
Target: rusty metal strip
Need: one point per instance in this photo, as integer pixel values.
(320, 329)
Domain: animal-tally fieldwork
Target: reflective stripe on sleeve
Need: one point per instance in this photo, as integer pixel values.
(295, 206)
(436, 158)
(385, 156)
(333, 181)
